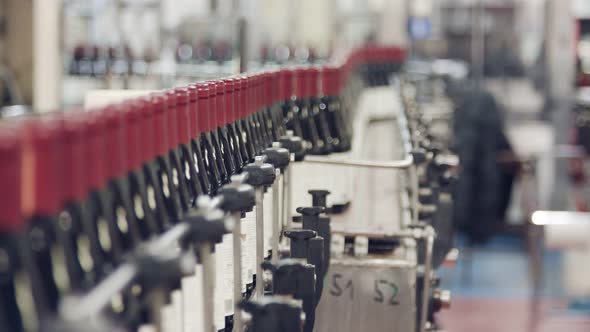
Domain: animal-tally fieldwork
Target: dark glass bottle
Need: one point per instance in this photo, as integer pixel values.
(206, 137)
(162, 164)
(156, 201)
(250, 140)
(198, 127)
(141, 189)
(316, 112)
(215, 118)
(118, 185)
(16, 269)
(240, 112)
(302, 111)
(222, 88)
(174, 149)
(331, 106)
(188, 165)
(229, 126)
(74, 230)
(290, 110)
(43, 194)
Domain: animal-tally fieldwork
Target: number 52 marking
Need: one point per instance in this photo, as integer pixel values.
(387, 285)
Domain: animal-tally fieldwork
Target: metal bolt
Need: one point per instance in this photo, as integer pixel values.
(203, 201)
(258, 160)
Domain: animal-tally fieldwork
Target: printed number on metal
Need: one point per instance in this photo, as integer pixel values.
(385, 291)
(388, 287)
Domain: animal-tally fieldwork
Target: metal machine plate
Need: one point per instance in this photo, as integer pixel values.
(368, 294)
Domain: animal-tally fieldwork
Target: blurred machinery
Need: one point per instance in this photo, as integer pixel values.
(266, 166)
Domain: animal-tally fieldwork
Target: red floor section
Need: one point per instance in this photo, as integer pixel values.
(509, 315)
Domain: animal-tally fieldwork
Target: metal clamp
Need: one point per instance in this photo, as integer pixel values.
(394, 164)
(426, 234)
(404, 163)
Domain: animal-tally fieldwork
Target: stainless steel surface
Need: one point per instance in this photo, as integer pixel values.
(385, 201)
(288, 196)
(397, 117)
(368, 294)
(208, 260)
(395, 164)
(259, 239)
(380, 168)
(374, 234)
(237, 251)
(277, 221)
(427, 281)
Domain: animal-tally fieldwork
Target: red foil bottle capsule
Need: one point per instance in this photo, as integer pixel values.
(11, 154)
(146, 129)
(75, 142)
(266, 88)
(116, 146)
(193, 97)
(183, 116)
(43, 192)
(203, 107)
(220, 109)
(96, 151)
(133, 123)
(43, 196)
(229, 100)
(312, 74)
(300, 83)
(327, 80)
(259, 91)
(238, 81)
(160, 124)
(274, 87)
(243, 102)
(172, 119)
(250, 96)
(212, 110)
(286, 81)
(263, 87)
(255, 93)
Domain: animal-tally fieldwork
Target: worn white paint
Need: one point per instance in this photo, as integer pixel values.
(47, 65)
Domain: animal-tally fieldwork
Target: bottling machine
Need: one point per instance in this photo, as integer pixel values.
(306, 198)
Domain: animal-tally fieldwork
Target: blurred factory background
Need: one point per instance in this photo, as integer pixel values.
(518, 71)
(98, 44)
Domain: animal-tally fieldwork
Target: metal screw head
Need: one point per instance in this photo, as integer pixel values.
(239, 178)
(203, 201)
(445, 299)
(311, 211)
(229, 224)
(258, 160)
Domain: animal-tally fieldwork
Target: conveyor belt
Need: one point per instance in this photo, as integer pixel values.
(377, 192)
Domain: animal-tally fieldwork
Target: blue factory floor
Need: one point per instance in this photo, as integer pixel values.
(492, 291)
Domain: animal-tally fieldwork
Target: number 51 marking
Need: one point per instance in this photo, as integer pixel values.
(337, 289)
